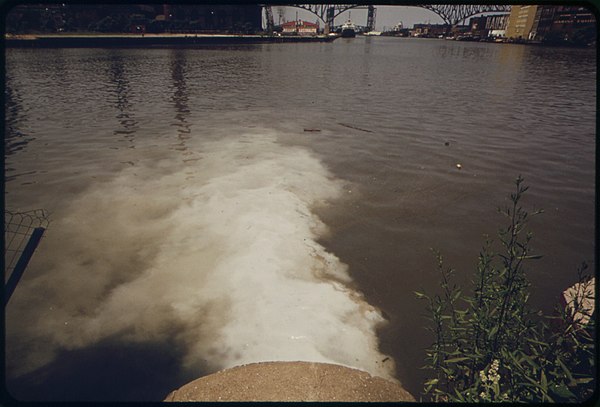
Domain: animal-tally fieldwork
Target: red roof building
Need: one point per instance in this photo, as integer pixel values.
(300, 28)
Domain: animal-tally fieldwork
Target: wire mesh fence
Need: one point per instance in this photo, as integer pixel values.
(19, 227)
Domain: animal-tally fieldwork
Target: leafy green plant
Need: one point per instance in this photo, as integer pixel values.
(489, 345)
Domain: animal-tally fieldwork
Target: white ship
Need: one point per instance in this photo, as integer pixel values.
(348, 29)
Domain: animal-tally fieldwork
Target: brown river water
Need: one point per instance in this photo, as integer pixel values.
(217, 206)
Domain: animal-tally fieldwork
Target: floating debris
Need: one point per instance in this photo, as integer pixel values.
(355, 128)
(459, 166)
(447, 143)
(313, 130)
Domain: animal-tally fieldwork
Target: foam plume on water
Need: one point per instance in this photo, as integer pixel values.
(221, 254)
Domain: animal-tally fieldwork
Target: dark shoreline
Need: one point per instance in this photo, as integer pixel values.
(151, 40)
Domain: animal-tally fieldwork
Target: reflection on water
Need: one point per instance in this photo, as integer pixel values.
(180, 96)
(125, 115)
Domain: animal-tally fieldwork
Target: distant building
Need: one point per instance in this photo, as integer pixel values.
(397, 31)
(496, 25)
(542, 24)
(429, 30)
(520, 22)
(307, 28)
(488, 26)
(299, 27)
(288, 27)
(477, 26)
(460, 30)
(573, 25)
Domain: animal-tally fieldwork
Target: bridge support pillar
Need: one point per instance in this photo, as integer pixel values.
(371, 18)
(330, 17)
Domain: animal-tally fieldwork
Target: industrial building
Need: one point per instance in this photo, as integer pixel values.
(552, 24)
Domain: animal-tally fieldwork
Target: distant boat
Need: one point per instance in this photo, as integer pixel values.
(348, 29)
(373, 33)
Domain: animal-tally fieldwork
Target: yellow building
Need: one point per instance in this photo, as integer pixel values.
(520, 22)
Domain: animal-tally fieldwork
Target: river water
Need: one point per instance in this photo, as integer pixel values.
(217, 206)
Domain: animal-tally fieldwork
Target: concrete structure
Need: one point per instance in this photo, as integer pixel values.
(151, 40)
(520, 22)
(291, 381)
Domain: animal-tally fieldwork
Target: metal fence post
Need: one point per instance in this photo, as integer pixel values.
(17, 273)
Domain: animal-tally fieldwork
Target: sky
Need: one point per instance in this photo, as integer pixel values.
(386, 16)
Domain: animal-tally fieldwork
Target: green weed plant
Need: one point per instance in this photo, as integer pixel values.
(490, 346)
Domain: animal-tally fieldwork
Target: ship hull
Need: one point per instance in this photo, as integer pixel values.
(348, 33)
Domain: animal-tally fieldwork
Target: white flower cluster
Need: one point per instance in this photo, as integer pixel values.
(490, 382)
(492, 376)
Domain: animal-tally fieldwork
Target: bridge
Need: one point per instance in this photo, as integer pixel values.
(450, 14)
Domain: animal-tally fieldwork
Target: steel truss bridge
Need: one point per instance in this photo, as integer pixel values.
(450, 14)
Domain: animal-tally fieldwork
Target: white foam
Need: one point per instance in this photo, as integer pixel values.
(221, 253)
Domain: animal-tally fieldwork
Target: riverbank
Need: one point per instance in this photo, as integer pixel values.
(151, 40)
(291, 381)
